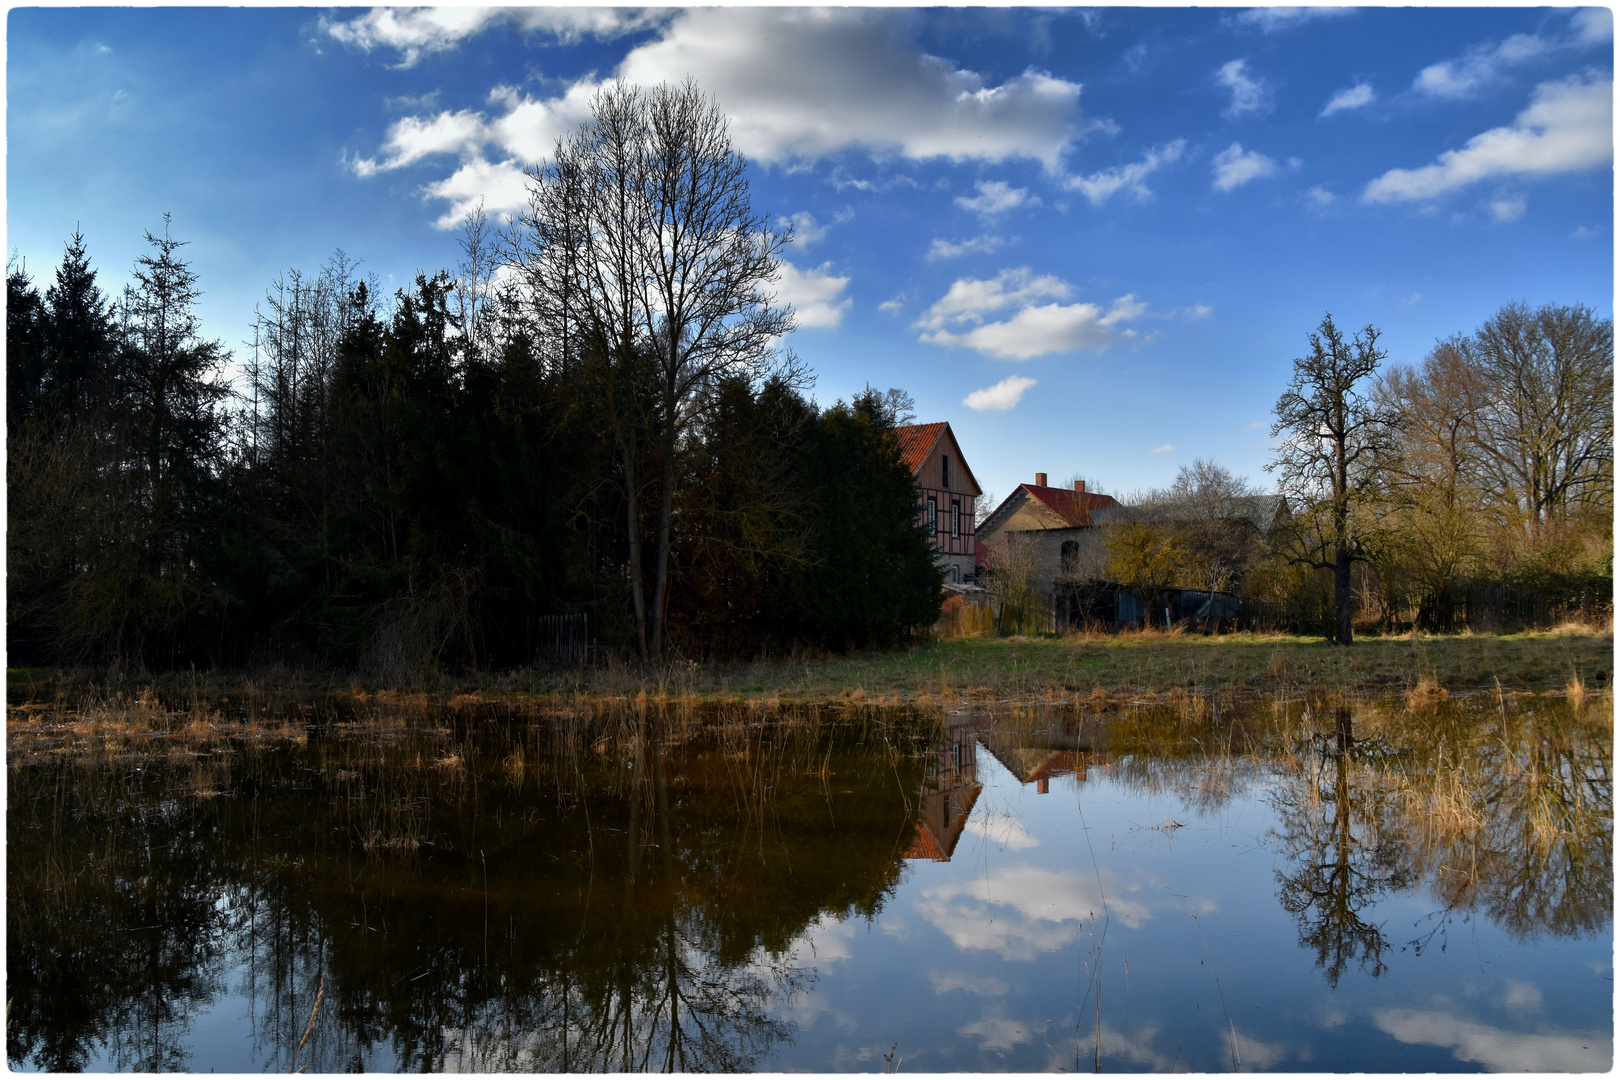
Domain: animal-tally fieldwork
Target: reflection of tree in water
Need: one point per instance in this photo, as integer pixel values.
(1332, 824)
(1503, 806)
(617, 901)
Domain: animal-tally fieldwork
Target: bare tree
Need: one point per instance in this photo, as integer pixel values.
(1013, 578)
(1546, 424)
(647, 263)
(1333, 458)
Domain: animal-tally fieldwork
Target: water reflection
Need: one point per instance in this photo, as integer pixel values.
(463, 886)
(475, 894)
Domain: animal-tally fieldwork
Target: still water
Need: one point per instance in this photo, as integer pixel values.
(1191, 884)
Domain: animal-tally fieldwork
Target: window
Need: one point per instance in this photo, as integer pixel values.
(933, 517)
(1071, 556)
(953, 575)
(944, 470)
(956, 518)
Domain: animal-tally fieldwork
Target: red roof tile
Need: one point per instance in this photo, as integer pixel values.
(916, 440)
(1072, 506)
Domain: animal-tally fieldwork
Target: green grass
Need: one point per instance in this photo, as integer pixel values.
(1039, 668)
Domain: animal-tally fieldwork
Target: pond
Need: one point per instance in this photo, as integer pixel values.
(1184, 883)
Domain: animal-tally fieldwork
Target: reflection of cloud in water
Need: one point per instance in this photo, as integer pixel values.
(1506, 1051)
(1116, 1045)
(1253, 1054)
(1525, 997)
(998, 1032)
(944, 982)
(1022, 911)
(1004, 828)
(825, 941)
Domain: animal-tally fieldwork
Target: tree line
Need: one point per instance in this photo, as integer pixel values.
(1478, 481)
(593, 413)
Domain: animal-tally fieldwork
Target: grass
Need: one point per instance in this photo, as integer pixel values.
(1019, 669)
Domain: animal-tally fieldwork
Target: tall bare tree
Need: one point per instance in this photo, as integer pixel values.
(647, 263)
(1333, 458)
(1546, 425)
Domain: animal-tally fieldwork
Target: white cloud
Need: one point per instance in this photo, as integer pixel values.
(1035, 329)
(894, 305)
(1507, 207)
(1165, 449)
(1354, 97)
(1478, 67)
(1248, 95)
(1486, 64)
(1099, 186)
(996, 197)
(814, 295)
(1049, 328)
(795, 84)
(1503, 1051)
(1592, 26)
(411, 139)
(411, 32)
(978, 245)
(1198, 311)
(502, 187)
(799, 83)
(1567, 127)
(999, 398)
(970, 299)
(806, 230)
(1235, 166)
(1321, 196)
(1272, 19)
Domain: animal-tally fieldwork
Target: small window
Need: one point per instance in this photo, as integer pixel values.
(954, 579)
(956, 518)
(945, 470)
(1071, 556)
(933, 517)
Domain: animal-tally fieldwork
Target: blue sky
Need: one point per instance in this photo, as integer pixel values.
(1091, 239)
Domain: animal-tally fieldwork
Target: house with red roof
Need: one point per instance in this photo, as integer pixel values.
(946, 491)
(1060, 522)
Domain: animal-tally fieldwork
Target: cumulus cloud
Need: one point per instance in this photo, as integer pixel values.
(999, 398)
(1354, 97)
(1272, 19)
(1100, 186)
(1236, 166)
(501, 187)
(1034, 328)
(814, 294)
(1248, 94)
(413, 32)
(1567, 127)
(795, 84)
(953, 249)
(998, 1033)
(996, 197)
(1498, 1050)
(1321, 196)
(799, 83)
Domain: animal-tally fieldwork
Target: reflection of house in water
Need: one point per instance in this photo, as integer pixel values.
(1035, 752)
(949, 790)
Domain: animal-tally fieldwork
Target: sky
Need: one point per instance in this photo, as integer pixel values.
(1093, 240)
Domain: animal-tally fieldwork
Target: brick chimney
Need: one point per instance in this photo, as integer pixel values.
(1079, 487)
(1040, 479)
